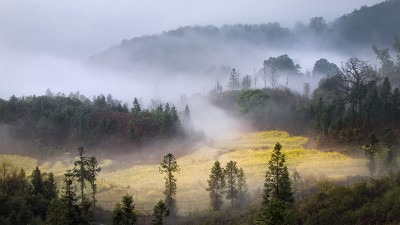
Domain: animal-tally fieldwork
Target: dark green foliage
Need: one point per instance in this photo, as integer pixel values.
(231, 180)
(242, 189)
(93, 170)
(50, 187)
(80, 170)
(56, 213)
(252, 101)
(118, 215)
(216, 186)
(370, 151)
(277, 181)
(50, 122)
(125, 213)
(276, 213)
(367, 202)
(69, 199)
(347, 106)
(369, 25)
(170, 166)
(128, 209)
(277, 196)
(160, 211)
(37, 182)
(23, 201)
(324, 67)
(282, 63)
(159, 121)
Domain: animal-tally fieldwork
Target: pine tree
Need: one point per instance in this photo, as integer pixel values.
(370, 150)
(56, 213)
(37, 182)
(170, 166)
(278, 195)
(186, 119)
(69, 198)
(277, 181)
(128, 209)
(234, 81)
(160, 211)
(216, 186)
(93, 170)
(242, 187)
(50, 187)
(80, 170)
(230, 173)
(117, 215)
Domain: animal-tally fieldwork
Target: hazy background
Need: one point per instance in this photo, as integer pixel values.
(43, 43)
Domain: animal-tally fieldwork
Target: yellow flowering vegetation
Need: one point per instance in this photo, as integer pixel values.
(251, 151)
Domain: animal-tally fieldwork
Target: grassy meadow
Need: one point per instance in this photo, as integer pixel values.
(251, 151)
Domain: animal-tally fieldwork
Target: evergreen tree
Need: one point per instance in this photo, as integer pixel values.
(37, 182)
(117, 215)
(216, 186)
(56, 213)
(246, 82)
(370, 151)
(234, 81)
(170, 166)
(385, 95)
(277, 181)
(186, 119)
(242, 187)
(50, 187)
(69, 198)
(93, 170)
(274, 213)
(278, 195)
(128, 209)
(160, 211)
(396, 105)
(230, 173)
(80, 170)
(124, 214)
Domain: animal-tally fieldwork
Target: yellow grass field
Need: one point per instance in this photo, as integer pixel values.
(251, 151)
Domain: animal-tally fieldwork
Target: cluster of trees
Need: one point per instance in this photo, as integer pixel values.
(24, 199)
(162, 120)
(369, 25)
(72, 208)
(354, 102)
(126, 214)
(229, 182)
(349, 103)
(50, 122)
(35, 199)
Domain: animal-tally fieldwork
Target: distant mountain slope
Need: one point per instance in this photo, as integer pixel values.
(204, 48)
(191, 48)
(377, 24)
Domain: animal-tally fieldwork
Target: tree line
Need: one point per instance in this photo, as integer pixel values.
(50, 122)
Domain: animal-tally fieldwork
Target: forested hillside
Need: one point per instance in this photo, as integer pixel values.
(51, 123)
(370, 25)
(198, 48)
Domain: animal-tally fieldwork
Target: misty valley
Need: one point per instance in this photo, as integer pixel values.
(236, 124)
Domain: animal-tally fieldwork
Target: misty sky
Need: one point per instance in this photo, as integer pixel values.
(41, 40)
(81, 28)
